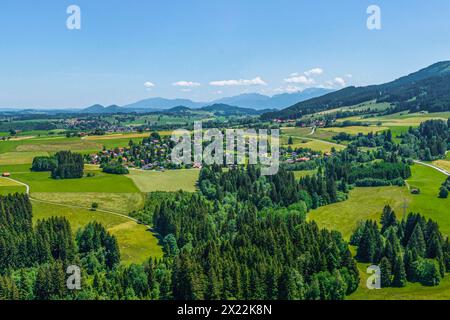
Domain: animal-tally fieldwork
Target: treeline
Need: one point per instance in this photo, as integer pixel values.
(371, 140)
(412, 249)
(63, 165)
(445, 189)
(351, 166)
(281, 189)
(428, 142)
(22, 245)
(34, 260)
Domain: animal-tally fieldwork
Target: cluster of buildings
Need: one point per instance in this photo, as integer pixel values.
(151, 154)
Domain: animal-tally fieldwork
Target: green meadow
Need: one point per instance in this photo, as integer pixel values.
(99, 183)
(412, 291)
(304, 173)
(171, 180)
(356, 129)
(116, 202)
(367, 203)
(8, 186)
(137, 244)
(362, 204)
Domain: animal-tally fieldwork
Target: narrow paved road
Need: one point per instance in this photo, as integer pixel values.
(73, 206)
(21, 183)
(433, 166)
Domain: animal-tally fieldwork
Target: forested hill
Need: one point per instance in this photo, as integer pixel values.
(427, 89)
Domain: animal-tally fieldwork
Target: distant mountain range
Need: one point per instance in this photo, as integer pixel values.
(218, 109)
(279, 101)
(425, 90)
(247, 101)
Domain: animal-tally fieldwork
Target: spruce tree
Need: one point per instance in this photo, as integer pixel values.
(399, 273)
(386, 273)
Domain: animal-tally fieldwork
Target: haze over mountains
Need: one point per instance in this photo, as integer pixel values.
(425, 90)
(247, 100)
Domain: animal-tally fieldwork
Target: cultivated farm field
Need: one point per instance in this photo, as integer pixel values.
(149, 181)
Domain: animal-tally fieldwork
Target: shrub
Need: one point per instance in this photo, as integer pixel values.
(443, 193)
(115, 168)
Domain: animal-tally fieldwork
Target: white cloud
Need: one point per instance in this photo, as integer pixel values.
(300, 80)
(149, 85)
(348, 75)
(337, 82)
(289, 89)
(241, 82)
(188, 84)
(186, 90)
(314, 72)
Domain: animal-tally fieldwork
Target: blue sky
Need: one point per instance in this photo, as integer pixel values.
(210, 48)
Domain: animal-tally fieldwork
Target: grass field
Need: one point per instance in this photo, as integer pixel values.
(116, 202)
(397, 131)
(372, 105)
(403, 119)
(171, 180)
(322, 146)
(100, 183)
(412, 291)
(428, 203)
(20, 157)
(8, 186)
(136, 243)
(356, 129)
(295, 131)
(302, 139)
(363, 204)
(304, 173)
(444, 164)
(367, 203)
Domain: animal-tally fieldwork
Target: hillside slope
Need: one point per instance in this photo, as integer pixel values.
(427, 89)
